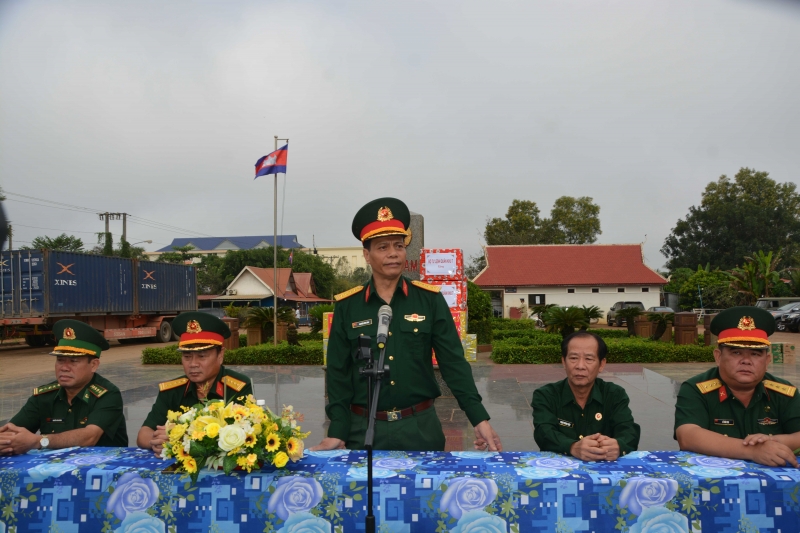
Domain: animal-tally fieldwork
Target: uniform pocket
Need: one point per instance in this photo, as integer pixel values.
(416, 336)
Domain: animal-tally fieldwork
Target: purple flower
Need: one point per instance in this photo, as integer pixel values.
(660, 520)
(294, 494)
(392, 463)
(140, 522)
(480, 522)
(305, 523)
(132, 494)
(467, 494)
(643, 492)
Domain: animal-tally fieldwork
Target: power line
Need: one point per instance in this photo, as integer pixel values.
(52, 202)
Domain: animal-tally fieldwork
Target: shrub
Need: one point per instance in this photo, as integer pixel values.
(507, 323)
(315, 314)
(619, 351)
(308, 353)
(539, 336)
(483, 329)
(479, 303)
(310, 336)
(242, 341)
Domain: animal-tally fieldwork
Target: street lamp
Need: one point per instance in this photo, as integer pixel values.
(140, 242)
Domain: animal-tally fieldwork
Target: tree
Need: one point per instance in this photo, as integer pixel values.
(757, 277)
(475, 265)
(630, 314)
(180, 255)
(564, 320)
(734, 219)
(262, 317)
(62, 243)
(315, 313)
(211, 275)
(572, 221)
(590, 313)
(714, 286)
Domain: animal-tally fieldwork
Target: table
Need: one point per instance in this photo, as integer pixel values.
(126, 490)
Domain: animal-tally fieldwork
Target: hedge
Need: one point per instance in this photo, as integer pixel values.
(481, 328)
(308, 353)
(632, 350)
(310, 336)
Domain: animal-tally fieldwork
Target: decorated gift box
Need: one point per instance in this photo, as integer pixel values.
(460, 319)
(471, 347)
(327, 321)
(441, 264)
(454, 292)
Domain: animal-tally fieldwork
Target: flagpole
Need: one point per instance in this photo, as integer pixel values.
(275, 255)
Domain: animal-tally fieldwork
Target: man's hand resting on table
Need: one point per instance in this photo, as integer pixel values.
(328, 443)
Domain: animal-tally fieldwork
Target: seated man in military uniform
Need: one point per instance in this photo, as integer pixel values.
(583, 415)
(79, 408)
(737, 410)
(406, 418)
(201, 341)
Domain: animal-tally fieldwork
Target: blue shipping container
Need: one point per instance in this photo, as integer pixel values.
(166, 288)
(22, 283)
(88, 284)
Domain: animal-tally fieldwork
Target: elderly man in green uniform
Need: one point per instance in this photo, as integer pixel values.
(406, 418)
(583, 415)
(79, 408)
(201, 339)
(738, 410)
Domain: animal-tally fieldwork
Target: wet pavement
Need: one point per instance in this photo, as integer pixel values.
(506, 392)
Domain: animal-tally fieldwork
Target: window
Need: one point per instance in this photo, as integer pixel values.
(570, 291)
(645, 289)
(536, 299)
(621, 289)
(595, 290)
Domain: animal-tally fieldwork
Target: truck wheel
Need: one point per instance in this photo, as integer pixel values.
(619, 322)
(36, 341)
(164, 332)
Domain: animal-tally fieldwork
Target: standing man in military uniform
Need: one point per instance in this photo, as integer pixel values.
(737, 410)
(201, 341)
(406, 418)
(583, 415)
(79, 408)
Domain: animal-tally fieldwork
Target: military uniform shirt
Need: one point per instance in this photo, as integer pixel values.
(770, 412)
(559, 422)
(421, 320)
(182, 392)
(99, 404)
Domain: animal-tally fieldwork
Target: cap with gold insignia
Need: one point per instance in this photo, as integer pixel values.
(382, 217)
(744, 327)
(199, 331)
(76, 339)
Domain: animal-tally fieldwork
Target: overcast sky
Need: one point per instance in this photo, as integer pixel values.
(160, 109)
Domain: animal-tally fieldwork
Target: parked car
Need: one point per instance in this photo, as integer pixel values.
(782, 313)
(660, 310)
(612, 317)
(773, 303)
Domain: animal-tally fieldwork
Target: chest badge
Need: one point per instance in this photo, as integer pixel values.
(723, 422)
(598, 416)
(767, 421)
(362, 323)
(565, 423)
(415, 318)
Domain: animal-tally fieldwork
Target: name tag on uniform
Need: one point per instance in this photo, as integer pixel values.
(767, 421)
(55, 420)
(723, 422)
(362, 323)
(565, 423)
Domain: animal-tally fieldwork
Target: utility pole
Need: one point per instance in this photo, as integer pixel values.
(116, 216)
(125, 227)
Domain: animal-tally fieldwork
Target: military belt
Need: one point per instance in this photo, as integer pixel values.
(395, 414)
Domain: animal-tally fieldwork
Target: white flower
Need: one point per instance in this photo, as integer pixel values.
(231, 437)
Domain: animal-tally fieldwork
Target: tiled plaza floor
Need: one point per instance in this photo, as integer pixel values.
(506, 391)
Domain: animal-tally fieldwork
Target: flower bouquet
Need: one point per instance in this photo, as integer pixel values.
(244, 436)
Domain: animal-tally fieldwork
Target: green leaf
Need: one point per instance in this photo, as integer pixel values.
(186, 485)
(534, 494)
(714, 490)
(229, 464)
(352, 485)
(32, 498)
(357, 497)
(190, 497)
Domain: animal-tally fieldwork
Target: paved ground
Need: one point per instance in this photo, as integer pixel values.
(506, 390)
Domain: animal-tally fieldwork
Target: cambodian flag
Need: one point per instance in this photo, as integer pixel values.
(273, 163)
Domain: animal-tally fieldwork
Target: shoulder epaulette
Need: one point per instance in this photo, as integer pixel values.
(786, 390)
(45, 389)
(710, 385)
(348, 293)
(167, 385)
(426, 286)
(97, 390)
(233, 383)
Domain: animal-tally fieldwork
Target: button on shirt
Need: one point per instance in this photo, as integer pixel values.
(559, 421)
(50, 412)
(769, 412)
(421, 320)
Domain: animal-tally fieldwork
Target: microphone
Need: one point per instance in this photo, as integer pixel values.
(384, 318)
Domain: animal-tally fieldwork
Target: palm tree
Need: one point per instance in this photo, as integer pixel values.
(262, 317)
(629, 314)
(591, 313)
(662, 321)
(564, 320)
(538, 311)
(315, 313)
(757, 276)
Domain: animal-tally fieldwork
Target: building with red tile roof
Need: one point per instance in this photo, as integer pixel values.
(568, 275)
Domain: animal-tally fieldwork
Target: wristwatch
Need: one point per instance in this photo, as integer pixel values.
(44, 442)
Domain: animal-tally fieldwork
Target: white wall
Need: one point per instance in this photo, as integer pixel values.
(604, 299)
(249, 285)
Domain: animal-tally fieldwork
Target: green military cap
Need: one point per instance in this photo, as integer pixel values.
(382, 217)
(199, 331)
(76, 338)
(744, 327)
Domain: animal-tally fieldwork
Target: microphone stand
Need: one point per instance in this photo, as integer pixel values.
(375, 375)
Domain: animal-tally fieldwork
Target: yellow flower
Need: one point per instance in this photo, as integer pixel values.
(190, 464)
(250, 440)
(177, 432)
(172, 416)
(280, 459)
(178, 451)
(273, 442)
(198, 435)
(294, 447)
(252, 458)
(257, 429)
(212, 430)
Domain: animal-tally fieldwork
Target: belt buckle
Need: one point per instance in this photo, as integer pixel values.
(393, 415)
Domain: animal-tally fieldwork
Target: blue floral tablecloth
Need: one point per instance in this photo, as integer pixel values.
(126, 490)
